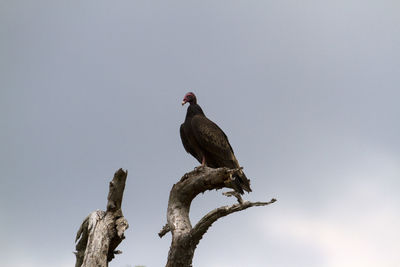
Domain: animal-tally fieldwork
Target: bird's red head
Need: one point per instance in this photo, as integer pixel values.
(189, 97)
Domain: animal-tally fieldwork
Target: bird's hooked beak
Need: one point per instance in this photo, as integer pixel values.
(184, 102)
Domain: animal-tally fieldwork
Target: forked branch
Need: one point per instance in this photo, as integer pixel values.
(185, 237)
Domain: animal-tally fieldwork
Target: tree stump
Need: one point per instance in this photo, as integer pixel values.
(102, 231)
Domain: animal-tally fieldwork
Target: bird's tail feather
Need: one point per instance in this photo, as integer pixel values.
(241, 182)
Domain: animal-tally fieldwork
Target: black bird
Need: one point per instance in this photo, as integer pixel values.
(205, 141)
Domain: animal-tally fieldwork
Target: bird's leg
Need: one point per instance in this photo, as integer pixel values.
(203, 162)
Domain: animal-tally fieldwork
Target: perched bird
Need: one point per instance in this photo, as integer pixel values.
(205, 141)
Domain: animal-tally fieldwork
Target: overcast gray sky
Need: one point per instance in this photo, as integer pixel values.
(307, 91)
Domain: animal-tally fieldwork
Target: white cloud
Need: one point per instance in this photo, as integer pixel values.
(358, 229)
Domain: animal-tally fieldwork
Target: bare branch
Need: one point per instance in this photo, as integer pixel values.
(164, 230)
(116, 191)
(204, 224)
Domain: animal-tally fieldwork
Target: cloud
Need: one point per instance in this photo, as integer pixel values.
(358, 229)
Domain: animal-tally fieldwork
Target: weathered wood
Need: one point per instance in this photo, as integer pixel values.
(185, 238)
(102, 231)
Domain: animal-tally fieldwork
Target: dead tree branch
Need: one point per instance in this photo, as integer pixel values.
(202, 226)
(102, 231)
(185, 238)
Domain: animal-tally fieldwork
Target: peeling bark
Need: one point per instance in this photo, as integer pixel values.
(185, 238)
(102, 231)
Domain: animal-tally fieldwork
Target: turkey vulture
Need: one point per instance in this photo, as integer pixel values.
(205, 141)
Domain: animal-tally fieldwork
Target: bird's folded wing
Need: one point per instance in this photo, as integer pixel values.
(189, 149)
(211, 137)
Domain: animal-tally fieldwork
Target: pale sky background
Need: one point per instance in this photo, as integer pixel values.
(307, 91)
